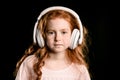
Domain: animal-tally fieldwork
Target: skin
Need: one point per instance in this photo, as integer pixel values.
(58, 40)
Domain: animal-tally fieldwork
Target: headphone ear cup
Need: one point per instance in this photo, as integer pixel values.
(40, 39)
(74, 39)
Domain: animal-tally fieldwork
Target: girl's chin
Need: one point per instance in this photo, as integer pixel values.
(58, 50)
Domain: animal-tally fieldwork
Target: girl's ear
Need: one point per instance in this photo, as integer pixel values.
(74, 39)
(40, 39)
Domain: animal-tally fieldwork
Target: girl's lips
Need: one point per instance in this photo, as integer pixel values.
(57, 44)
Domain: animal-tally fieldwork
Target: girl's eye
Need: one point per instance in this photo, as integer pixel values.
(64, 32)
(50, 32)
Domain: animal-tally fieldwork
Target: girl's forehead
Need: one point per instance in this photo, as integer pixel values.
(58, 23)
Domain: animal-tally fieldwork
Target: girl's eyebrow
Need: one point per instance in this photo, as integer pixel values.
(60, 29)
(64, 29)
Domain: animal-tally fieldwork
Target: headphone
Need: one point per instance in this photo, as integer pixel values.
(76, 36)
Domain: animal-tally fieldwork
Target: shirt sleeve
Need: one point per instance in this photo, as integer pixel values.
(23, 72)
(84, 73)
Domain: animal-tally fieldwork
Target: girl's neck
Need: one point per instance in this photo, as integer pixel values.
(56, 61)
(57, 56)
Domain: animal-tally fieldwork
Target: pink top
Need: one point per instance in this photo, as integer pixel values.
(73, 72)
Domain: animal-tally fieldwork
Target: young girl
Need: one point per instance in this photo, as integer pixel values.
(59, 48)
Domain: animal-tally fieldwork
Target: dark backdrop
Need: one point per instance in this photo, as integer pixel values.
(18, 19)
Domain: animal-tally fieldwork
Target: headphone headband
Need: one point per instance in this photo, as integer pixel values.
(59, 8)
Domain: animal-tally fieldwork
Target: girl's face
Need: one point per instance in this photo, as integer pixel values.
(58, 35)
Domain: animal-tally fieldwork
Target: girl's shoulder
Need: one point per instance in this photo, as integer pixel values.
(30, 60)
(84, 72)
(81, 68)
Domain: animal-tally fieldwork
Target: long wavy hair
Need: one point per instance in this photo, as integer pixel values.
(78, 55)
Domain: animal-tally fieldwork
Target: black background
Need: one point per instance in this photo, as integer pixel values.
(18, 19)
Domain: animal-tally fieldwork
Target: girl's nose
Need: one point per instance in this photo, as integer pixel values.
(57, 37)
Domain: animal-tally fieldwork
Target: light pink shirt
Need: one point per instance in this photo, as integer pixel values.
(73, 72)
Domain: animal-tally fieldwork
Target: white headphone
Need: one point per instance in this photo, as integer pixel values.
(76, 37)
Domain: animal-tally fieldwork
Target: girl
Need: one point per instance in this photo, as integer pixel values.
(59, 48)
